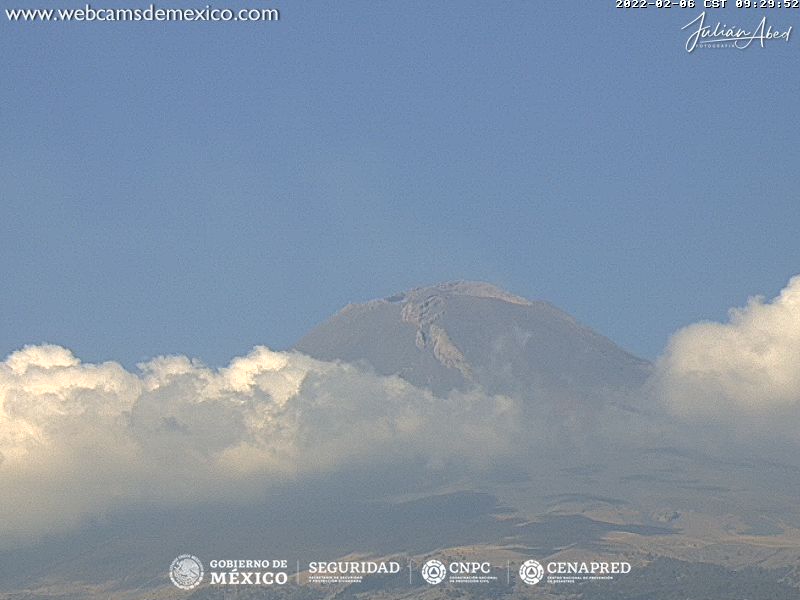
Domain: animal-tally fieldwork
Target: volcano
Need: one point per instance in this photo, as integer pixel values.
(462, 334)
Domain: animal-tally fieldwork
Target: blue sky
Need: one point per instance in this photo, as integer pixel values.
(201, 188)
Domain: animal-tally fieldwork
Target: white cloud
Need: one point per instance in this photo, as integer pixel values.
(78, 439)
(746, 370)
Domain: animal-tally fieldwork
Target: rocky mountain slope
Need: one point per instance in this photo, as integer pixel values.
(461, 334)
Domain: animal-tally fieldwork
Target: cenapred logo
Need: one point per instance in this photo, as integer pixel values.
(531, 572)
(186, 572)
(434, 572)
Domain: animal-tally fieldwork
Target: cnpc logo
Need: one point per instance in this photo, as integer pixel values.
(435, 571)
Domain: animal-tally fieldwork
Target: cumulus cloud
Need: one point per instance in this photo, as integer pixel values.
(79, 439)
(746, 370)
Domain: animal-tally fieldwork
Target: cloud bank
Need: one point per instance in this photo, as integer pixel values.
(78, 439)
(745, 371)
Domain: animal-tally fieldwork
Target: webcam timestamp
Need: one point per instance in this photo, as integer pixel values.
(767, 3)
(707, 3)
(658, 3)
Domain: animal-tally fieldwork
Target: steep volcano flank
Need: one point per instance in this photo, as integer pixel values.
(462, 334)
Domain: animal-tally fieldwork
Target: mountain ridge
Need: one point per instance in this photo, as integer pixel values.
(457, 334)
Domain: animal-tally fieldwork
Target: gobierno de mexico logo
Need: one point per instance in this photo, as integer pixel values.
(186, 572)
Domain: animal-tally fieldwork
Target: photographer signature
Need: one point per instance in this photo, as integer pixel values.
(735, 36)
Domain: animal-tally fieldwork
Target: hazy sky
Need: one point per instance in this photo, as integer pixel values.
(201, 188)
